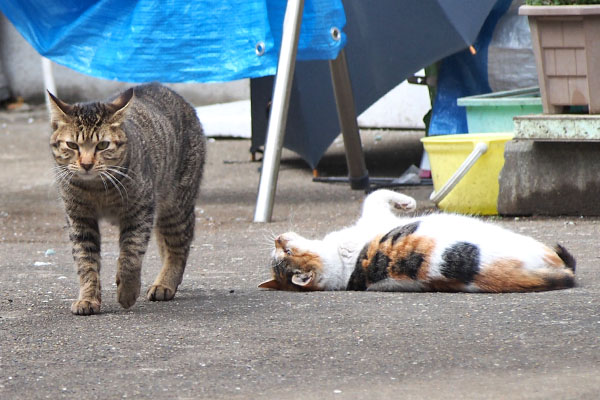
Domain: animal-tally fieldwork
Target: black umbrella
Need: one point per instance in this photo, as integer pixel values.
(388, 41)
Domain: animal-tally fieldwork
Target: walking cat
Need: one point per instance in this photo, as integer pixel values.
(436, 252)
(136, 160)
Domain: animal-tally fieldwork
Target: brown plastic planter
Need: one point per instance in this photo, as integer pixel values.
(566, 44)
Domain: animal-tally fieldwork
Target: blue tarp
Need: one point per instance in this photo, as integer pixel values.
(172, 40)
(463, 74)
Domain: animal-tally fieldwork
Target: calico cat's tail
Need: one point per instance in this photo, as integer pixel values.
(565, 277)
(567, 258)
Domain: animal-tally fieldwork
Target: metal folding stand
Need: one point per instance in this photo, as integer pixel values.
(358, 175)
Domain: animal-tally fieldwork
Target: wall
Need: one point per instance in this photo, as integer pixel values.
(22, 69)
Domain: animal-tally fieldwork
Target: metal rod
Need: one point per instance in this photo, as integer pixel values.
(48, 80)
(279, 110)
(344, 100)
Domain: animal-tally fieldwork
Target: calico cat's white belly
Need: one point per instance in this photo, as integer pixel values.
(494, 242)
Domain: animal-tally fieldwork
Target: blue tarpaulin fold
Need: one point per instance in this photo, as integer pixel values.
(173, 40)
(463, 74)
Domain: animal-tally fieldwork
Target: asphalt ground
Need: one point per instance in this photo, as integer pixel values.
(222, 338)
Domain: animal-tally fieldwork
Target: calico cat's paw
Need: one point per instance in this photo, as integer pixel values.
(85, 307)
(160, 293)
(404, 203)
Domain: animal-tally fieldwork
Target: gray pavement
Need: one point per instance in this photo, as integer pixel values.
(222, 338)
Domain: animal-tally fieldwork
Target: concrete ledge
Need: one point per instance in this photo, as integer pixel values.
(563, 127)
(550, 178)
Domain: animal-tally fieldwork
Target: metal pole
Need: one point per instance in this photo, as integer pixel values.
(48, 80)
(279, 111)
(344, 101)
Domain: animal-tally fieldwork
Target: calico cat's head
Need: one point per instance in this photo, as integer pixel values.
(295, 264)
(87, 139)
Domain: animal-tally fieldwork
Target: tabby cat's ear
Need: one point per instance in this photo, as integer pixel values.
(58, 108)
(119, 105)
(270, 284)
(303, 279)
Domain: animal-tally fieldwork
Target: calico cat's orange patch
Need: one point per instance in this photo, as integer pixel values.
(306, 261)
(552, 259)
(303, 261)
(410, 245)
(374, 247)
(508, 275)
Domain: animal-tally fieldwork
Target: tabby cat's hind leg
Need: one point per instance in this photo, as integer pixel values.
(174, 234)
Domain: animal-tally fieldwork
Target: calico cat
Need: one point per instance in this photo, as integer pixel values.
(436, 252)
(136, 160)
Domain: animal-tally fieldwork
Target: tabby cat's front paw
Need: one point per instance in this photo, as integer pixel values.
(85, 307)
(160, 293)
(127, 294)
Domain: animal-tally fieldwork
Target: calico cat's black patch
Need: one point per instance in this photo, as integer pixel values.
(559, 282)
(461, 262)
(400, 231)
(409, 266)
(358, 279)
(377, 269)
(283, 271)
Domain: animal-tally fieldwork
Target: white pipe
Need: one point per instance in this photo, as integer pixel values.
(49, 83)
(479, 150)
(279, 111)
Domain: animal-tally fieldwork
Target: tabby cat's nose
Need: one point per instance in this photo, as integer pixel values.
(87, 167)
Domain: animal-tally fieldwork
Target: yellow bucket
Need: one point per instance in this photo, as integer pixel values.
(465, 170)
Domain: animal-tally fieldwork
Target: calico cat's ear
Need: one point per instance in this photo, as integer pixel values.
(58, 107)
(120, 104)
(270, 284)
(303, 279)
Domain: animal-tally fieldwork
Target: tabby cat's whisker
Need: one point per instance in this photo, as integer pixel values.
(119, 172)
(126, 169)
(103, 182)
(115, 183)
(119, 183)
(63, 175)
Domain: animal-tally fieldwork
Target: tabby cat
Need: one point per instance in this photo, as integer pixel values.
(436, 252)
(136, 160)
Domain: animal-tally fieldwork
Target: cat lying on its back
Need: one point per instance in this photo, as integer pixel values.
(437, 252)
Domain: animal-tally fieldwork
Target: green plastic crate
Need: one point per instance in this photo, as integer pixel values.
(494, 112)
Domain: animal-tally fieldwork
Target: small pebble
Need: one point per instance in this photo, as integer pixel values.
(41, 264)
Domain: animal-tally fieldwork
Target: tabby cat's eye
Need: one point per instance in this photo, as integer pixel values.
(72, 145)
(102, 145)
(288, 252)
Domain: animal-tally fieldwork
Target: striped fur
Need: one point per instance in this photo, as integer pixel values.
(136, 160)
(437, 252)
